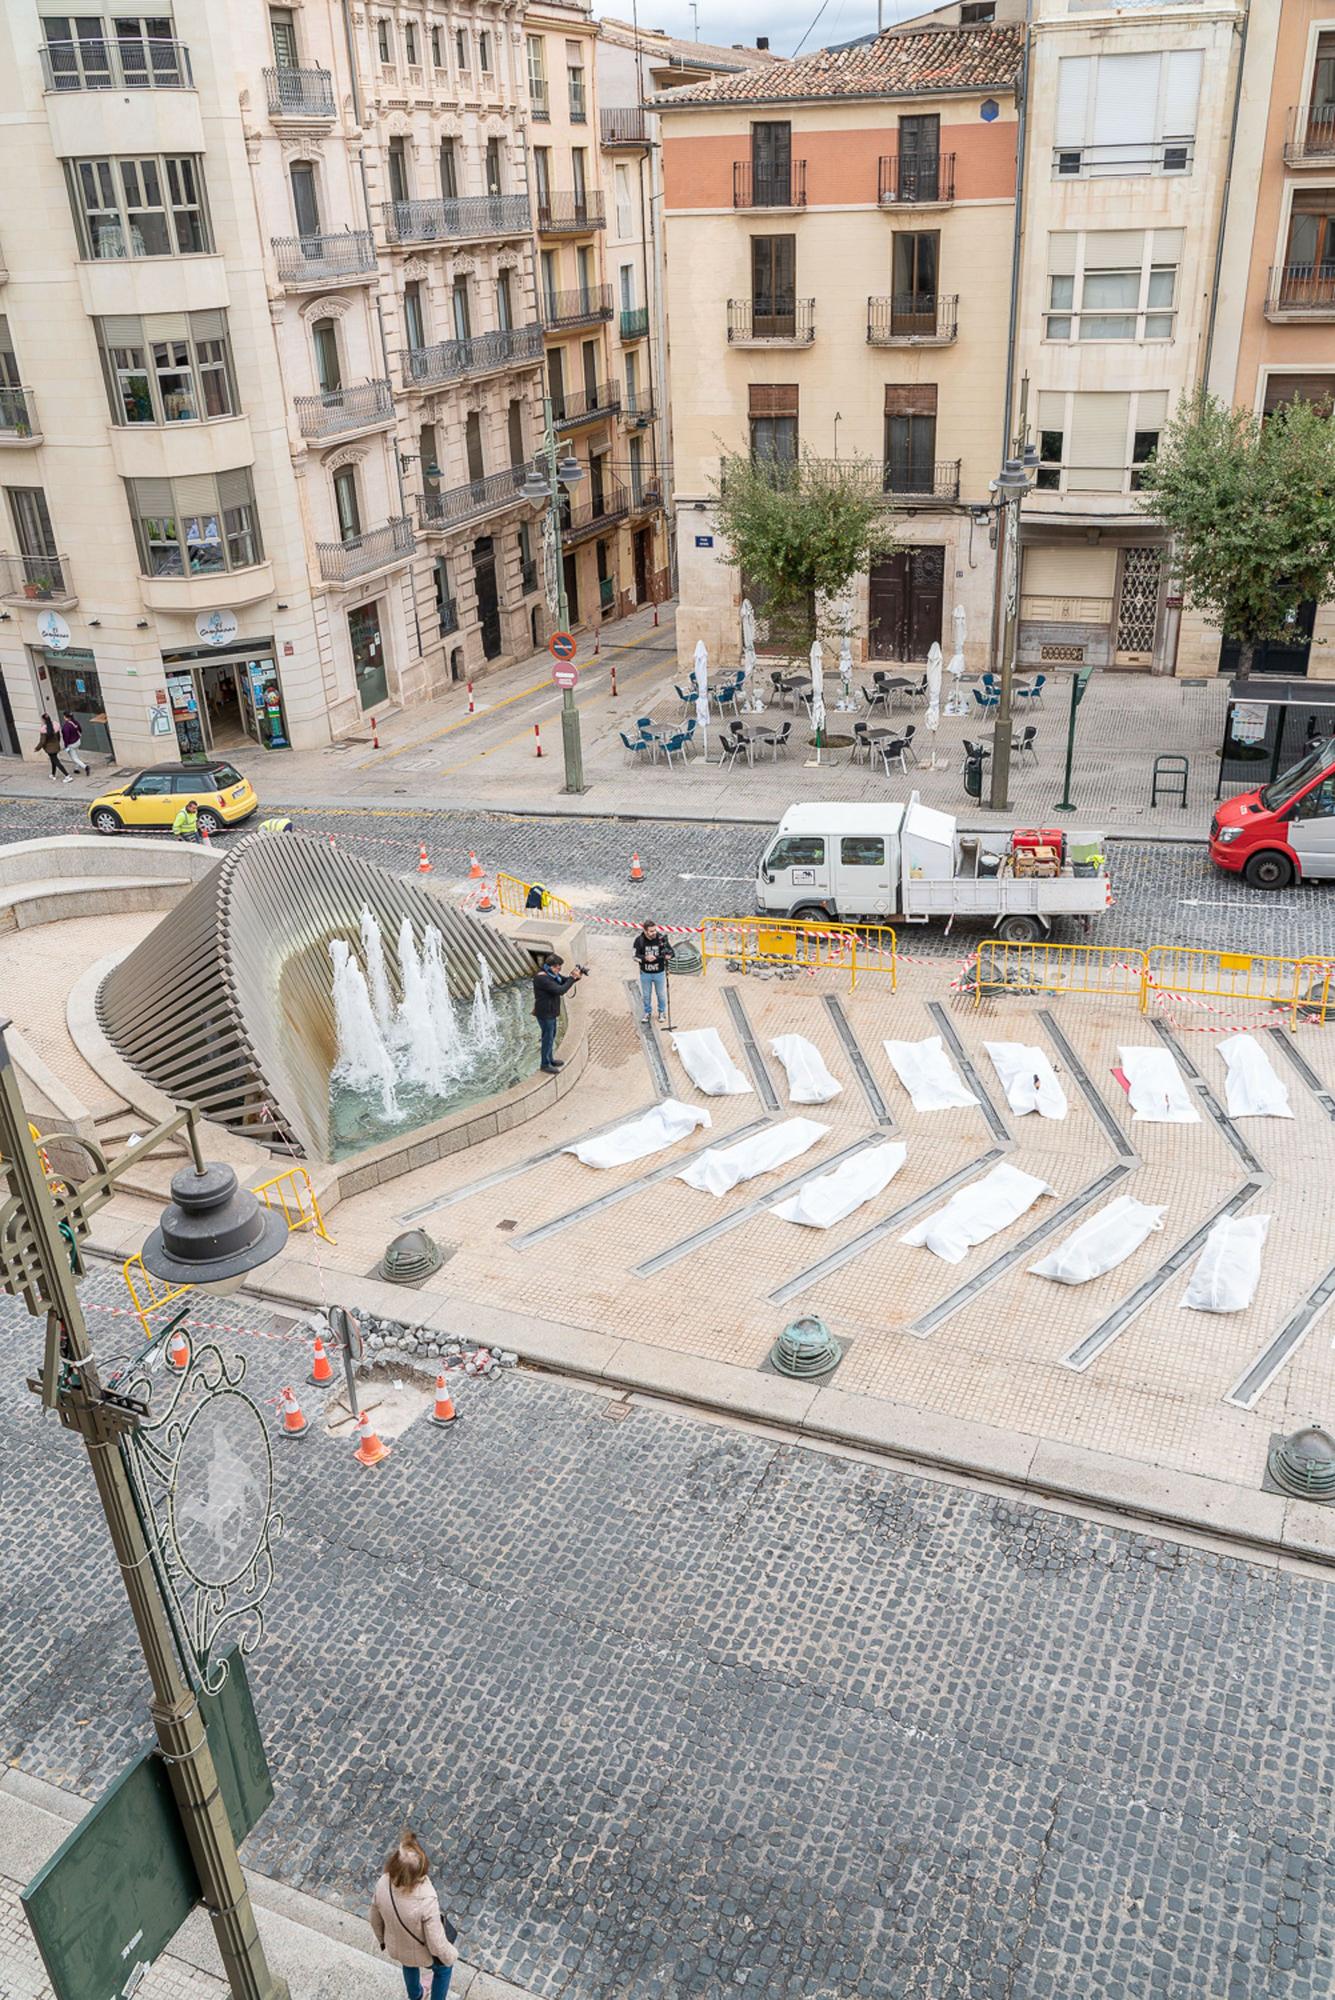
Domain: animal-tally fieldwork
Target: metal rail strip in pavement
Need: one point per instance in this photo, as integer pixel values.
(653, 1054)
(861, 1068)
(713, 1230)
(623, 1193)
(997, 1124)
(880, 1230)
(764, 1083)
(1252, 1384)
(520, 1167)
(1213, 1106)
(1088, 1089)
(999, 1266)
(1284, 1040)
(1116, 1322)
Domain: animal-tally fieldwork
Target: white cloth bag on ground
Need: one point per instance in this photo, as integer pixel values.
(722, 1167)
(1228, 1269)
(1028, 1079)
(809, 1082)
(822, 1203)
(1158, 1093)
(708, 1064)
(1254, 1089)
(976, 1212)
(1101, 1243)
(651, 1133)
(928, 1075)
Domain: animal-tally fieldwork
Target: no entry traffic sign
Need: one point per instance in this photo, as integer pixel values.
(565, 677)
(561, 645)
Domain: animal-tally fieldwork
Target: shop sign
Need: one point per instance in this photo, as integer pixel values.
(216, 628)
(53, 632)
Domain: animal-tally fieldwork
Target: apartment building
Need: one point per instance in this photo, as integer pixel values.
(1127, 159)
(841, 232)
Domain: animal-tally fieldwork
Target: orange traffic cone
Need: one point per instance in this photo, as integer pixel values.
(423, 864)
(636, 872)
(444, 1412)
(484, 901)
(474, 867)
(322, 1369)
(204, 834)
(370, 1449)
(293, 1423)
(178, 1352)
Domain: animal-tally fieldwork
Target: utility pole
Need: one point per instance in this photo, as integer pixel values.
(543, 487)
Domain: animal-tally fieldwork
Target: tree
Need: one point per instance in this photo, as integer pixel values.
(800, 532)
(1251, 506)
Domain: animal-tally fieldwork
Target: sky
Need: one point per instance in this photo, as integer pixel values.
(786, 22)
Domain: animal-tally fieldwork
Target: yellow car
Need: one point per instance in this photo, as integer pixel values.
(155, 797)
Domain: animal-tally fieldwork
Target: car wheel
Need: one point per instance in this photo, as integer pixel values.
(810, 913)
(105, 820)
(1268, 871)
(210, 823)
(1020, 930)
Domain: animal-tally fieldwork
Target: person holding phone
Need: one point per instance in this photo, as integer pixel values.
(407, 1922)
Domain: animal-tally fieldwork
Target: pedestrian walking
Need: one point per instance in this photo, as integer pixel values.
(550, 986)
(407, 1921)
(71, 735)
(185, 826)
(655, 955)
(52, 743)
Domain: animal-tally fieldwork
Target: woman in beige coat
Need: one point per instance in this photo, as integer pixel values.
(406, 1919)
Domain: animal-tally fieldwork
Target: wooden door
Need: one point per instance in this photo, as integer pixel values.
(905, 600)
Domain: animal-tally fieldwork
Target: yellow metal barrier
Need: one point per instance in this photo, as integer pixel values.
(1298, 987)
(1058, 968)
(285, 1191)
(139, 1281)
(512, 895)
(857, 950)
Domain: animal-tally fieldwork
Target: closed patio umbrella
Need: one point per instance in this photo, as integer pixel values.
(748, 653)
(817, 693)
(702, 691)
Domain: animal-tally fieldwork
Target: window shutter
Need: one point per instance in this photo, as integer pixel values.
(773, 399)
(1151, 409)
(1072, 123)
(1072, 571)
(1099, 449)
(1283, 389)
(1052, 410)
(235, 489)
(1114, 249)
(211, 325)
(1182, 89)
(121, 330)
(910, 399)
(197, 494)
(151, 496)
(1061, 253)
(1166, 246)
(1125, 100)
(167, 326)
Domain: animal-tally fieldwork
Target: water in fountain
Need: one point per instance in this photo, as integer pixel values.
(483, 1028)
(449, 1040)
(415, 1027)
(364, 1063)
(377, 979)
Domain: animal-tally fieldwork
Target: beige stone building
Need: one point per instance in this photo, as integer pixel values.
(840, 236)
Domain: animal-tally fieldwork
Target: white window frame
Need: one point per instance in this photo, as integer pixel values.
(162, 174)
(1147, 318)
(1166, 154)
(1134, 429)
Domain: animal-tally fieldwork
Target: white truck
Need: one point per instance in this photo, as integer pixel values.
(878, 863)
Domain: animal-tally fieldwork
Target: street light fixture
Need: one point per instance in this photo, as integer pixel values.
(213, 1234)
(1015, 479)
(543, 487)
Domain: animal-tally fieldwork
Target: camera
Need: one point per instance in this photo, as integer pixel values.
(583, 971)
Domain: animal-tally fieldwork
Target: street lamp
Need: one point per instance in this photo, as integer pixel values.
(543, 488)
(1014, 480)
(211, 1236)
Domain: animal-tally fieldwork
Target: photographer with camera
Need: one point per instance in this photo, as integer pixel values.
(550, 986)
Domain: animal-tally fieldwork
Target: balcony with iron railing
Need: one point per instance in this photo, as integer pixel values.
(910, 482)
(304, 95)
(1301, 291)
(570, 214)
(36, 580)
(589, 513)
(585, 406)
(918, 319)
(347, 258)
(1309, 139)
(638, 411)
(793, 325)
(494, 493)
(134, 62)
(646, 493)
(584, 307)
(338, 412)
(539, 101)
(626, 125)
(361, 555)
(769, 188)
(480, 354)
(634, 322)
(923, 180)
(461, 218)
(18, 417)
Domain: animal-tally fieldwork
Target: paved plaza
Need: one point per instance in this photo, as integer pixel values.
(690, 1710)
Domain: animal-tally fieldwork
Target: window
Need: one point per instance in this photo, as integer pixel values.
(9, 361)
(477, 468)
(914, 269)
(542, 175)
(449, 169)
(1125, 282)
(1311, 250)
(463, 318)
(1281, 390)
(384, 35)
(324, 339)
(556, 382)
(772, 163)
(920, 158)
(1096, 441)
(625, 212)
(1049, 476)
(627, 282)
(515, 431)
(345, 504)
(305, 200)
(166, 369)
(1319, 803)
(632, 361)
(637, 470)
(589, 355)
(398, 171)
(579, 174)
(774, 287)
(437, 49)
(410, 43)
(1144, 444)
(32, 525)
(772, 412)
(1127, 114)
(910, 438)
(445, 612)
(414, 325)
(484, 52)
(283, 33)
(197, 526)
(537, 77)
(575, 78)
(494, 171)
(797, 851)
(427, 458)
(461, 50)
(140, 207)
(861, 850)
(585, 271)
(977, 13)
(549, 285)
(505, 312)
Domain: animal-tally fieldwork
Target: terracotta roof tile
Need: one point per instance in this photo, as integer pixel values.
(891, 65)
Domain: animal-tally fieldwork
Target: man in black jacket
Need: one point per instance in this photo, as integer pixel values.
(550, 985)
(655, 954)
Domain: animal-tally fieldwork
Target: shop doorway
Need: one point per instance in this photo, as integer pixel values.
(67, 684)
(368, 656)
(905, 599)
(488, 601)
(221, 705)
(641, 549)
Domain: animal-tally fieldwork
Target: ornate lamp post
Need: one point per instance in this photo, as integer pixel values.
(543, 487)
(213, 1233)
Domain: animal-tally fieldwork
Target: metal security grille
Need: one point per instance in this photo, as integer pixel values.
(1138, 611)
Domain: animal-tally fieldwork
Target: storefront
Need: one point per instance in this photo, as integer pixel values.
(67, 684)
(220, 697)
(368, 656)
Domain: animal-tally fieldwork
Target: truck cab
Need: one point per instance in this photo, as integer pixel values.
(1282, 832)
(832, 860)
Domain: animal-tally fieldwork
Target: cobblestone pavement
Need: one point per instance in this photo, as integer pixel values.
(1167, 893)
(689, 1711)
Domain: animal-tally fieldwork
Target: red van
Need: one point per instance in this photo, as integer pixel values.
(1285, 831)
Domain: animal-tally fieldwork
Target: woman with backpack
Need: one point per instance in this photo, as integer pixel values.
(51, 742)
(407, 1921)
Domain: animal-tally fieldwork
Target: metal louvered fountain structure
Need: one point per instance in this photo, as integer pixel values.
(228, 1003)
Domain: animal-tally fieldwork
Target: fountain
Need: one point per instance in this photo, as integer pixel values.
(377, 979)
(363, 1060)
(483, 1028)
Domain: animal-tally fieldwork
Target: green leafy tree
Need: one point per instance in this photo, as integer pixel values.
(1251, 506)
(800, 532)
